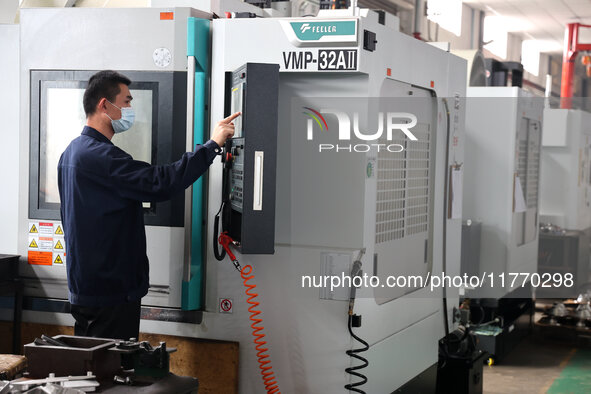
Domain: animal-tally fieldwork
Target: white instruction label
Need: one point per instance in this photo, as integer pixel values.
(456, 193)
(520, 205)
(335, 265)
(45, 228)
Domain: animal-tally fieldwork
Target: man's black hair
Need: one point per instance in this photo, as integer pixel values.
(102, 84)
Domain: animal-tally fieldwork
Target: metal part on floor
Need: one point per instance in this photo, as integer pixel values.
(147, 360)
(566, 320)
(85, 382)
(81, 355)
(148, 369)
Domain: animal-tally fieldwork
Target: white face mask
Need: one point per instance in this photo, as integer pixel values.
(126, 121)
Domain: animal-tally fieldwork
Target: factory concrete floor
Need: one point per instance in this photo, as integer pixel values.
(539, 364)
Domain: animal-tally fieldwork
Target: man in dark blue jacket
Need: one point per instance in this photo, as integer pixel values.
(101, 190)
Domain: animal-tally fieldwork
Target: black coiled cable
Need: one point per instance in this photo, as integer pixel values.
(354, 353)
(219, 255)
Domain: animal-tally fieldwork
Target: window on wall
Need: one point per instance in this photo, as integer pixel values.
(530, 56)
(447, 14)
(495, 34)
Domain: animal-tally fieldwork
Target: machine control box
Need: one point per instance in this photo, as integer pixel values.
(253, 89)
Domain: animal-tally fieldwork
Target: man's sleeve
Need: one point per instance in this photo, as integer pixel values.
(59, 188)
(138, 180)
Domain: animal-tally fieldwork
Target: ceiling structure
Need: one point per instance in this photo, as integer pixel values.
(543, 20)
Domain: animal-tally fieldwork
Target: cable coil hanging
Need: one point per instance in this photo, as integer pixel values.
(354, 353)
(263, 358)
(355, 321)
(257, 332)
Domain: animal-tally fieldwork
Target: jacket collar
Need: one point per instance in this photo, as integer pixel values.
(91, 132)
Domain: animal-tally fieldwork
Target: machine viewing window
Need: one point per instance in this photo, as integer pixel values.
(62, 119)
(57, 117)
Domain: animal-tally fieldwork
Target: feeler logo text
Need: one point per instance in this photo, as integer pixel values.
(324, 30)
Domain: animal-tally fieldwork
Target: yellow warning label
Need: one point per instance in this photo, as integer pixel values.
(33, 229)
(58, 260)
(59, 231)
(58, 245)
(33, 244)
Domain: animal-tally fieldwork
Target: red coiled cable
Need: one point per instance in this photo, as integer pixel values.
(263, 358)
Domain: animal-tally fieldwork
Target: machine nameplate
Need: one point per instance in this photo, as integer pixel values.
(320, 60)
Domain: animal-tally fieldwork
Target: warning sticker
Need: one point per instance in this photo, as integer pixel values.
(225, 305)
(45, 228)
(58, 245)
(59, 259)
(45, 244)
(39, 258)
(42, 244)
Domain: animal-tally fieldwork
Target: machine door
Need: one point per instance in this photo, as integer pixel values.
(156, 137)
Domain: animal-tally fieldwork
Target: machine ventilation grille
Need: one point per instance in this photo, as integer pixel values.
(533, 170)
(522, 165)
(528, 168)
(403, 188)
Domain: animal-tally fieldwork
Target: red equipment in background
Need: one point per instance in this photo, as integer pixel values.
(571, 48)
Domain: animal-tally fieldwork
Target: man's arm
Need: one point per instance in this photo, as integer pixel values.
(138, 180)
(141, 181)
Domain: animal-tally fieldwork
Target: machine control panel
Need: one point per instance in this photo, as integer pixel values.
(237, 179)
(253, 89)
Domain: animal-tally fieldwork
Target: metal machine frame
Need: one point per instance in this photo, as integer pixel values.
(566, 169)
(566, 197)
(307, 336)
(503, 149)
(162, 62)
(307, 333)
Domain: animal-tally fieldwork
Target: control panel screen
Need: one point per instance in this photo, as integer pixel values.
(237, 96)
